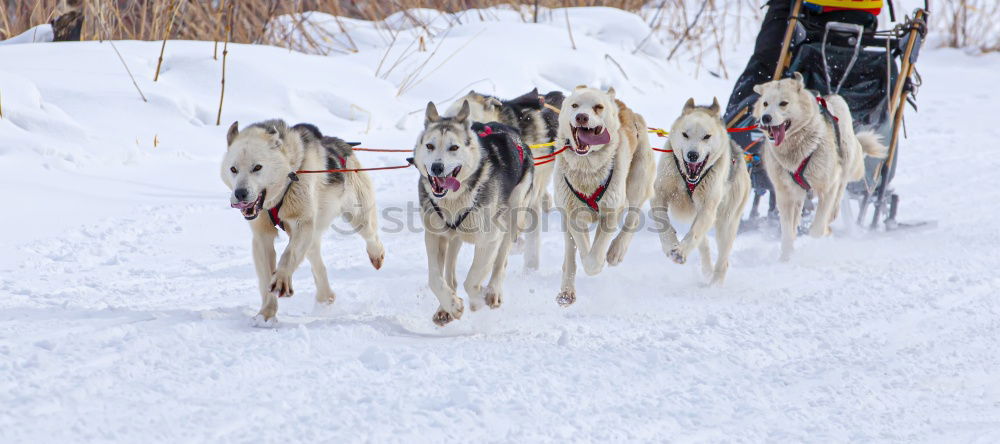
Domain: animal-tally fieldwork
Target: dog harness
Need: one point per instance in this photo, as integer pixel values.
(458, 220)
(690, 185)
(594, 198)
(273, 212)
(798, 177)
(799, 174)
(520, 150)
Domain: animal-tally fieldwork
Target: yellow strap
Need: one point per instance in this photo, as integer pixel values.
(852, 4)
(659, 132)
(541, 145)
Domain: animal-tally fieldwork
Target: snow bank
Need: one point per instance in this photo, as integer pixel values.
(127, 280)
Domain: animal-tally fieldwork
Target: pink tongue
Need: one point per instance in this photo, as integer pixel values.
(779, 134)
(451, 183)
(590, 138)
(243, 205)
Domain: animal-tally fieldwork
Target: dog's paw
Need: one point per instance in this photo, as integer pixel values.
(817, 231)
(592, 266)
(476, 301)
(566, 298)
(259, 321)
(616, 253)
(677, 255)
(717, 280)
(281, 284)
(492, 297)
(443, 317)
(323, 309)
(377, 256)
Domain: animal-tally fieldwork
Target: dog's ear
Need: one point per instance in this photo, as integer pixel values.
(432, 114)
(234, 130)
(759, 89)
(494, 102)
(715, 106)
(463, 113)
(275, 135)
(799, 79)
(611, 93)
(688, 106)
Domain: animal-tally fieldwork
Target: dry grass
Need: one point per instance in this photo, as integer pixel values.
(672, 21)
(205, 19)
(969, 24)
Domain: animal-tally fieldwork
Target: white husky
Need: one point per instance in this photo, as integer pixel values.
(607, 170)
(703, 181)
(257, 168)
(811, 146)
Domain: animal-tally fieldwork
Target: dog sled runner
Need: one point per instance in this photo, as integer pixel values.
(874, 70)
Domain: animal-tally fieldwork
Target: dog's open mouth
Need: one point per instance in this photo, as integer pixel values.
(251, 208)
(694, 170)
(587, 137)
(440, 185)
(776, 132)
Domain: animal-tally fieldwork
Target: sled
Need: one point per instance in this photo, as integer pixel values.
(875, 72)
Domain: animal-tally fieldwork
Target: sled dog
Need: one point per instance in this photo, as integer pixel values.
(259, 168)
(703, 181)
(536, 117)
(475, 181)
(811, 146)
(606, 170)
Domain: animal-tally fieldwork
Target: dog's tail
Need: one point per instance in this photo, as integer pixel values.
(872, 145)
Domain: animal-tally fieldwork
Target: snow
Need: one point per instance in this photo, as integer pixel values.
(127, 284)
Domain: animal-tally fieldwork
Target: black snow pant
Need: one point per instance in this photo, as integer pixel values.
(762, 63)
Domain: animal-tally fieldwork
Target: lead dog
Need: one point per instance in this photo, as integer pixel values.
(703, 181)
(811, 146)
(607, 169)
(257, 167)
(534, 116)
(475, 180)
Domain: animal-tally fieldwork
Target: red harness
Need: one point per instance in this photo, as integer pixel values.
(593, 199)
(293, 177)
(488, 131)
(273, 214)
(822, 102)
(798, 177)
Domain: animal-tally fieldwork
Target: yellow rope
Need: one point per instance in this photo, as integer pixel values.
(541, 145)
(659, 132)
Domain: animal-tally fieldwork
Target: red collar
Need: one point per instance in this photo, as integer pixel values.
(594, 198)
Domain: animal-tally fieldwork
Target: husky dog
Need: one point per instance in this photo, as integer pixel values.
(811, 146)
(703, 181)
(259, 167)
(475, 181)
(606, 170)
(534, 117)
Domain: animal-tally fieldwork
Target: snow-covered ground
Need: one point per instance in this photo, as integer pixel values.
(126, 281)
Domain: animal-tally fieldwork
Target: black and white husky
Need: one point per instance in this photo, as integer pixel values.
(475, 183)
(536, 117)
